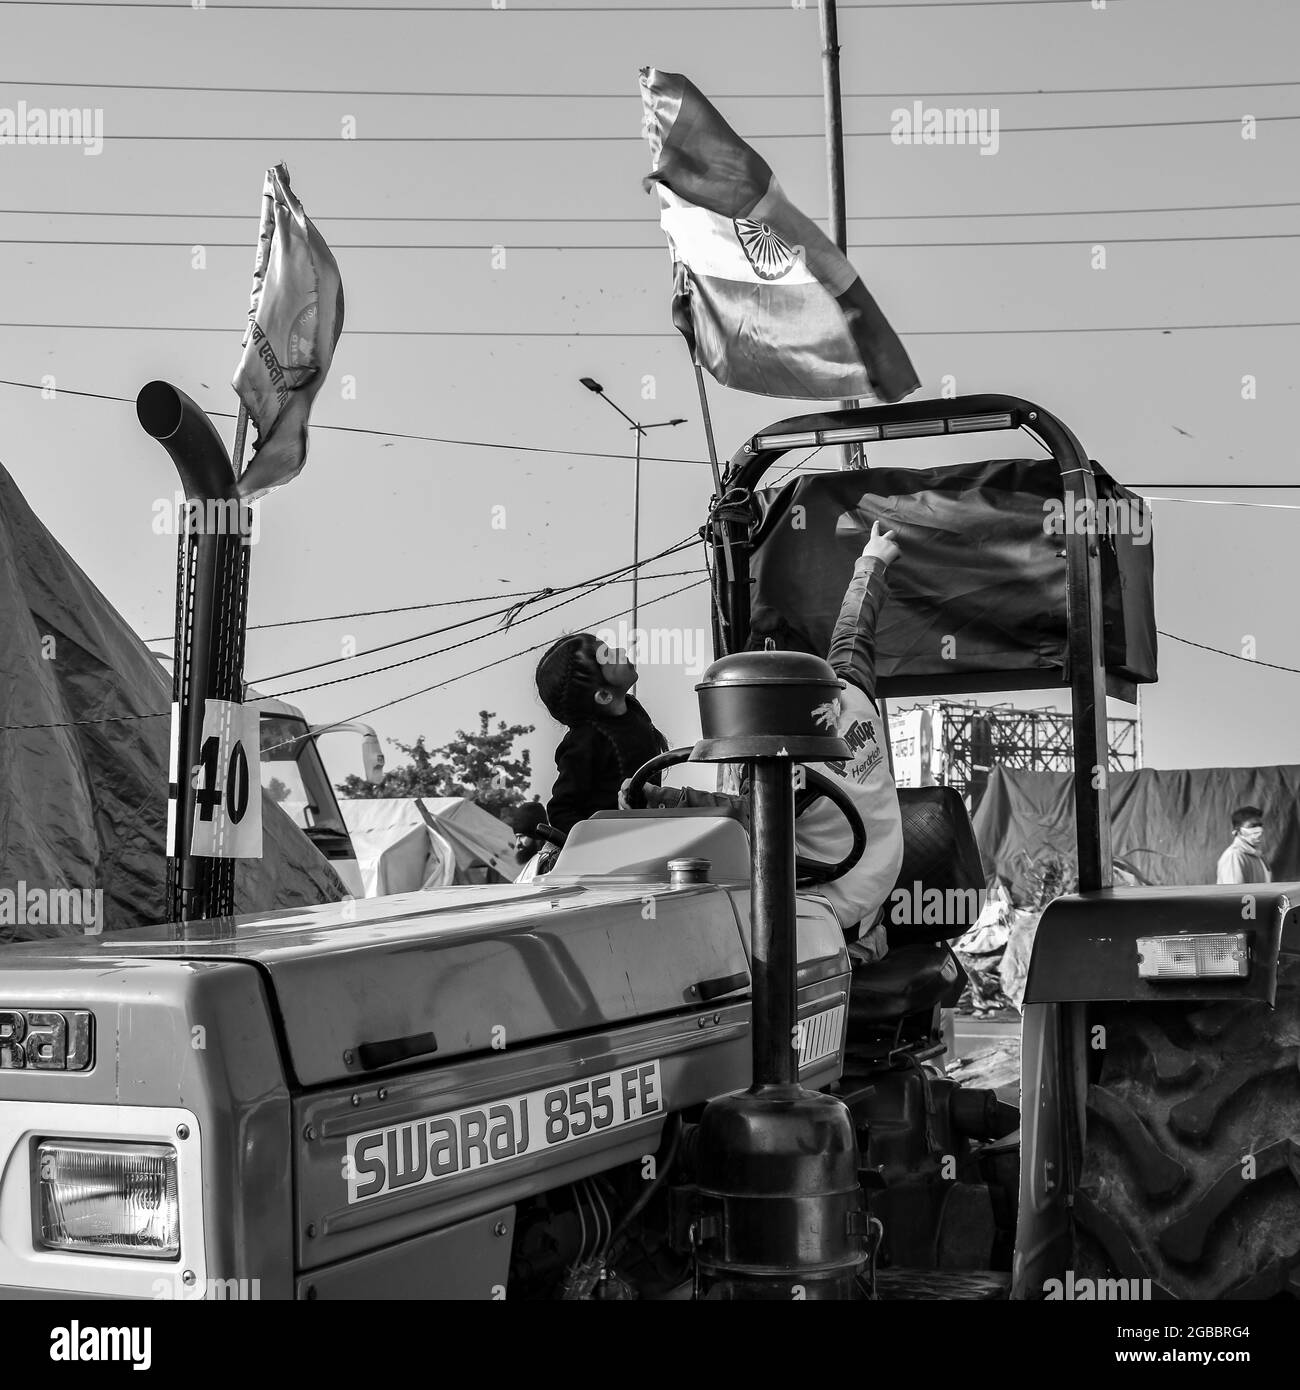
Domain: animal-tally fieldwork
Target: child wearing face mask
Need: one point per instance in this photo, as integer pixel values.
(584, 684)
(1242, 862)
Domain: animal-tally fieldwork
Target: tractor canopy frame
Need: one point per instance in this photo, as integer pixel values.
(927, 419)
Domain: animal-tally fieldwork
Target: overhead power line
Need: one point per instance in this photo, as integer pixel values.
(644, 220)
(537, 647)
(630, 93)
(581, 453)
(440, 603)
(660, 248)
(515, 333)
(801, 464)
(391, 434)
(1224, 502)
(1224, 487)
(199, 137)
(439, 685)
(514, 656)
(517, 9)
(83, 723)
(1236, 656)
(574, 592)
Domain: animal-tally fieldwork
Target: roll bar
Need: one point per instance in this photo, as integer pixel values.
(928, 419)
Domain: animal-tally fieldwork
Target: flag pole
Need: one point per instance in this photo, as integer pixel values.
(708, 435)
(851, 453)
(713, 463)
(723, 527)
(265, 233)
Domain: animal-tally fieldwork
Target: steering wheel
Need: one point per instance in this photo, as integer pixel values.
(808, 872)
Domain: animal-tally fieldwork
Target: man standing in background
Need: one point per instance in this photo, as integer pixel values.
(1242, 862)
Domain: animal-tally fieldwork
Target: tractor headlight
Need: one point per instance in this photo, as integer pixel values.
(1193, 956)
(108, 1199)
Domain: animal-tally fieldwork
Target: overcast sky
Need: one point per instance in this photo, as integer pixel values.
(446, 342)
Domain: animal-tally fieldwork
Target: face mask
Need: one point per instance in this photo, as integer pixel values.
(1252, 834)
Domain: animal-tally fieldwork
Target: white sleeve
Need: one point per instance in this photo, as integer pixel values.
(822, 834)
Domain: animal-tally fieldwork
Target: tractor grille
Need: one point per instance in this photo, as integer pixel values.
(821, 1035)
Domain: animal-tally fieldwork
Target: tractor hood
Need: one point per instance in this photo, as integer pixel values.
(364, 986)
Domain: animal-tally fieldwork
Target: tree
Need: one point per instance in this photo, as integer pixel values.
(277, 790)
(479, 764)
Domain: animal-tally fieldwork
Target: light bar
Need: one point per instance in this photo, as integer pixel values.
(849, 435)
(1212, 955)
(969, 424)
(804, 440)
(914, 428)
(865, 434)
(108, 1198)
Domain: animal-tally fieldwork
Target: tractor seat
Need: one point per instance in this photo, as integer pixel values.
(910, 979)
(939, 852)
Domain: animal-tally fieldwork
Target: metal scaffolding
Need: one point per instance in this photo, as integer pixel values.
(970, 739)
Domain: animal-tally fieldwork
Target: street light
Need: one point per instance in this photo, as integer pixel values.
(640, 429)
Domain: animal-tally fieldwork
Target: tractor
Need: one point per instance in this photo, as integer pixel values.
(1159, 1153)
(654, 1071)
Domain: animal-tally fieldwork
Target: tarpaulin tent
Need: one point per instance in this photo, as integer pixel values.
(83, 783)
(977, 600)
(1171, 826)
(404, 844)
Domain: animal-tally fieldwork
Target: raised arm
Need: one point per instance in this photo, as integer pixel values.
(853, 644)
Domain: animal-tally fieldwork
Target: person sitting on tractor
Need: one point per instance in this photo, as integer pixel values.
(584, 685)
(820, 832)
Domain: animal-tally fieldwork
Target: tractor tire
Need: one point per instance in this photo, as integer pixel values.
(1191, 1170)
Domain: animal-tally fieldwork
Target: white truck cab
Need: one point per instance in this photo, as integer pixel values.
(294, 774)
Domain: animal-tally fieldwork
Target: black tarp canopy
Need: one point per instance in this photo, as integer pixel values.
(977, 600)
(83, 781)
(1171, 825)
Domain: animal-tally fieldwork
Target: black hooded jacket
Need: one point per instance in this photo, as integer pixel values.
(595, 758)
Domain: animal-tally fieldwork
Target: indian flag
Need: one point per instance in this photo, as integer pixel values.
(764, 298)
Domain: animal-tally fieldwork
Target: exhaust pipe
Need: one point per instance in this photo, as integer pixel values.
(184, 430)
(211, 612)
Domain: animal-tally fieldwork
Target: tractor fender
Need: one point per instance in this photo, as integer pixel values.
(1086, 946)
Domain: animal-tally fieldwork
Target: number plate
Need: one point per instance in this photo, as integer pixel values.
(44, 1040)
(427, 1150)
(225, 786)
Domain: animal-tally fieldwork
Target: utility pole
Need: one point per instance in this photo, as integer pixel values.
(640, 429)
(852, 454)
